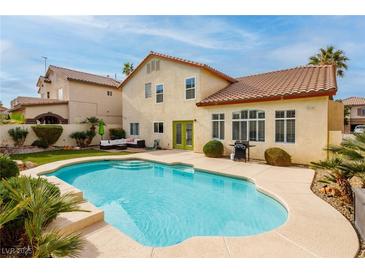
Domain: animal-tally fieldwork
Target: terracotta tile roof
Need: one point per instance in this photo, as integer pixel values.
(22, 101)
(179, 60)
(354, 101)
(75, 75)
(306, 81)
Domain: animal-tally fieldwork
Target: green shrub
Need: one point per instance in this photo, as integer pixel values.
(18, 135)
(48, 133)
(90, 134)
(8, 167)
(80, 138)
(116, 133)
(28, 205)
(40, 143)
(213, 149)
(277, 157)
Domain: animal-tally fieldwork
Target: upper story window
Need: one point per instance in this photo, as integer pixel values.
(109, 93)
(158, 127)
(190, 88)
(48, 95)
(134, 129)
(60, 94)
(218, 126)
(361, 111)
(248, 125)
(154, 65)
(285, 126)
(147, 90)
(159, 93)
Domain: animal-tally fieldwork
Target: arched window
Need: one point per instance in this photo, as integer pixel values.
(248, 125)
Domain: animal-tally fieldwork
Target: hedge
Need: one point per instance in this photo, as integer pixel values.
(48, 133)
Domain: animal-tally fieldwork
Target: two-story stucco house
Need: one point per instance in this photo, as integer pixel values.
(356, 117)
(184, 104)
(69, 96)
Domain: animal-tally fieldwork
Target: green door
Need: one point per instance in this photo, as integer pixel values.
(183, 134)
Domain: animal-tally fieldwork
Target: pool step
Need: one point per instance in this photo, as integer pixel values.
(132, 167)
(65, 187)
(71, 222)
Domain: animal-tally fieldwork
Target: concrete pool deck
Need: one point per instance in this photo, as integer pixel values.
(313, 229)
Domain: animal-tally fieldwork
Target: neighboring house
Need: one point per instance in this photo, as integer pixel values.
(356, 107)
(184, 104)
(69, 96)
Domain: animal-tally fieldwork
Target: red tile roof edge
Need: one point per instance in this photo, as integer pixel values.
(313, 93)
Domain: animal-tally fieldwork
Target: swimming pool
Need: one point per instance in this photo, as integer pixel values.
(162, 205)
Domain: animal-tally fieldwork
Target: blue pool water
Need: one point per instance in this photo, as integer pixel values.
(162, 205)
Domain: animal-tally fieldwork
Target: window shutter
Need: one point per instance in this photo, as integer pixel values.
(153, 65)
(359, 112)
(157, 64)
(148, 68)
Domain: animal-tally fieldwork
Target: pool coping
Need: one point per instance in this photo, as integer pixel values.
(313, 227)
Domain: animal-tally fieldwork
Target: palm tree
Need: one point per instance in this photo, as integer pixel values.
(127, 68)
(90, 134)
(330, 56)
(347, 161)
(28, 205)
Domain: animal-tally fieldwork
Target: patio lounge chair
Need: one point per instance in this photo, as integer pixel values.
(122, 143)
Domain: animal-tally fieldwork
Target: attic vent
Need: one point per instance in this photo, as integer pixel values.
(154, 65)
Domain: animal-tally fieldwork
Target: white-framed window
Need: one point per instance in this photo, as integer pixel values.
(158, 127)
(285, 126)
(60, 94)
(109, 93)
(190, 86)
(218, 126)
(134, 128)
(159, 93)
(248, 125)
(361, 111)
(147, 90)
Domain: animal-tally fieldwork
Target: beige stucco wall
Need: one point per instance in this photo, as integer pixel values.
(311, 127)
(335, 116)
(92, 100)
(137, 108)
(64, 140)
(57, 82)
(31, 112)
(85, 99)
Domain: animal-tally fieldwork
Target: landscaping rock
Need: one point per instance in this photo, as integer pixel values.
(20, 164)
(29, 164)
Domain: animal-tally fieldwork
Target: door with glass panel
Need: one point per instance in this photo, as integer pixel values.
(183, 135)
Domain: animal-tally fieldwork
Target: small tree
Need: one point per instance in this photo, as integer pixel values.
(347, 161)
(128, 68)
(80, 138)
(18, 135)
(93, 122)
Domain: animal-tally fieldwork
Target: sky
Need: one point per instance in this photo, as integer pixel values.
(236, 45)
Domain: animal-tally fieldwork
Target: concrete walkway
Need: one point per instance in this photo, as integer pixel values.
(313, 229)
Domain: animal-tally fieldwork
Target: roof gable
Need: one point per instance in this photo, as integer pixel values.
(178, 60)
(306, 81)
(81, 76)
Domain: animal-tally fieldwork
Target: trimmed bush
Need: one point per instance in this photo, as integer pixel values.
(18, 135)
(8, 167)
(48, 133)
(80, 138)
(116, 133)
(213, 149)
(40, 143)
(277, 157)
